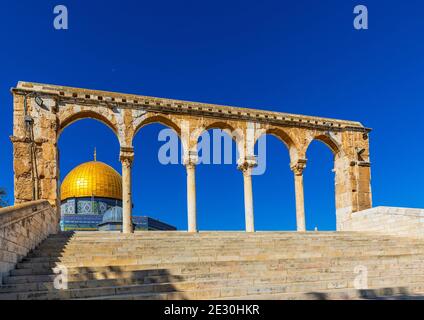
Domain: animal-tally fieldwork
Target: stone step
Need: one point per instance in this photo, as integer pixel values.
(401, 293)
(281, 271)
(192, 242)
(395, 293)
(233, 246)
(210, 247)
(225, 235)
(209, 265)
(222, 239)
(167, 236)
(256, 292)
(151, 259)
(407, 261)
(241, 239)
(342, 278)
(238, 255)
(323, 261)
(207, 289)
(158, 277)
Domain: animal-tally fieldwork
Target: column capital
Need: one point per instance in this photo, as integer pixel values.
(246, 165)
(191, 159)
(126, 156)
(298, 167)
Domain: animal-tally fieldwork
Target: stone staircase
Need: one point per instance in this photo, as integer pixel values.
(220, 265)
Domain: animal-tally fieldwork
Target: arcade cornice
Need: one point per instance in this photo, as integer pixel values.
(115, 100)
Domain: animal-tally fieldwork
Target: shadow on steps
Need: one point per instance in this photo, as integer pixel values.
(401, 293)
(51, 281)
(218, 265)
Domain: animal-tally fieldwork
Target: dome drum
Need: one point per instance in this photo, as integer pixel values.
(88, 205)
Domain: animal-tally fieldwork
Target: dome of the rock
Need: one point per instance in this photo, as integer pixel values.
(92, 179)
(91, 199)
(87, 192)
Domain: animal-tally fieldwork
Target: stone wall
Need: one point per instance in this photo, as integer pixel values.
(389, 220)
(22, 228)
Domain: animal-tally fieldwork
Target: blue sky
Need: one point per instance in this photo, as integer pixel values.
(293, 56)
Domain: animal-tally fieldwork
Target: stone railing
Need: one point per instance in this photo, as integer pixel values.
(22, 228)
(389, 220)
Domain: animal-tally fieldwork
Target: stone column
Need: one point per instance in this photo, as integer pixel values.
(297, 169)
(190, 164)
(246, 169)
(126, 157)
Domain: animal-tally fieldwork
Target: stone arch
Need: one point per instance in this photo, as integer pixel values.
(219, 125)
(274, 173)
(160, 119)
(68, 120)
(86, 114)
(75, 117)
(163, 120)
(236, 134)
(137, 135)
(236, 131)
(284, 137)
(334, 146)
(329, 141)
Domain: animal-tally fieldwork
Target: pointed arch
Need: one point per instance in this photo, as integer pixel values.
(228, 212)
(235, 134)
(281, 135)
(284, 137)
(152, 177)
(320, 174)
(158, 119)
(86, 114)
(329, 141)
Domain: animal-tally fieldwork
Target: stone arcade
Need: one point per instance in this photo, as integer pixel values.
(42, 112)
(385, 242)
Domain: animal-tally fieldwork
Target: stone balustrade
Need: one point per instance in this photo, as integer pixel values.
(22, 228)
(389, 220)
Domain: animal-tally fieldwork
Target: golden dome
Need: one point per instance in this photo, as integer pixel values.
(92, 178)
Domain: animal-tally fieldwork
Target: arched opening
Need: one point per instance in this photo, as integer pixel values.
(320, 208)
(84, 115)
(158, 119)
(88, 194)
(273, 188)
(219, 189)
(158, 176)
